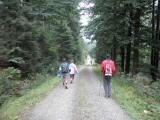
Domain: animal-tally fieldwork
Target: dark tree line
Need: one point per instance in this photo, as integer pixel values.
(130, 31)
(155, 43)
(36, 34)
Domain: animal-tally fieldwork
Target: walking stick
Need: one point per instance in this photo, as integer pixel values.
(101, 78)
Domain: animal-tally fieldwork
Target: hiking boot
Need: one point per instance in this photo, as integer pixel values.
(66, 87)
(109, 96)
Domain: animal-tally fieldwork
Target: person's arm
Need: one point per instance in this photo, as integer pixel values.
(69, 67)
(60, 70)
(75, 68)
(102, 66)
(102, 69)
(114, 67)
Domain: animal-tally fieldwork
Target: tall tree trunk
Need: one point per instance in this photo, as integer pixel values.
(114, 49)
(157, 40)
(122, 58)
(128, 48)
(135, 68)
(153, 39)
(128, 58)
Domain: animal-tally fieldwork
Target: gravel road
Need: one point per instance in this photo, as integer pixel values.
(83, 100)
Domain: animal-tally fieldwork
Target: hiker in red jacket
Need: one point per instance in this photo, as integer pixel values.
(108, 69)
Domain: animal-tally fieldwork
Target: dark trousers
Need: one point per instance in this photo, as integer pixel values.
(107, 85)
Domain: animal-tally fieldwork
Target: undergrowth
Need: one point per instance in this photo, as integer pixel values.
(132, 99)
(13, 108)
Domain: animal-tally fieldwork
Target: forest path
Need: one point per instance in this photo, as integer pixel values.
(83, 100)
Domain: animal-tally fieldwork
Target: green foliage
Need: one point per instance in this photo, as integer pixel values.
(134, 101)
(9, 83)
(15, 106)
(18, 60)
(11, 74)
(116, 24)
(37, 33)
(35, 36)
(132, 98)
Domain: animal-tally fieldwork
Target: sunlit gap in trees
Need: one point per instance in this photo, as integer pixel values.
(85, 17)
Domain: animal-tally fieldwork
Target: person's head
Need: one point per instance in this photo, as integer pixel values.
(108, 56)
(72, 61)
(63, 59)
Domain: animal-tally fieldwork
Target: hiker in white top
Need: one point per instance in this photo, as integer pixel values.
(73, 70)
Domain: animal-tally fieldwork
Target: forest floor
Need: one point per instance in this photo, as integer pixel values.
(84, 100)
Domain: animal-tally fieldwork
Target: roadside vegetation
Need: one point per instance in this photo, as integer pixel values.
(129, 30)
(34, 37)
(15, 106)
(133, 98)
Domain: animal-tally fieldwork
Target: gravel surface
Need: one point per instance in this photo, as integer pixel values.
(94, 105)
(83, 100)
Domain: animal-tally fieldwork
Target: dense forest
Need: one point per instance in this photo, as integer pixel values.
(34, 36)
(130, 31)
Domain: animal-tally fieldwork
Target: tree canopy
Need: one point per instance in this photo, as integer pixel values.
(128, 30)
(37, 34)
(34, 37)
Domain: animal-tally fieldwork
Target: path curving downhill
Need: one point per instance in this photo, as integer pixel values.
(83, 100)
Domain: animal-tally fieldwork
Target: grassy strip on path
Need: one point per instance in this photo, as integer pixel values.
(138, 106)
(14, 107)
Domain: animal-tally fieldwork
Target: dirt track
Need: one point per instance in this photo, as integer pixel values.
(83, 100)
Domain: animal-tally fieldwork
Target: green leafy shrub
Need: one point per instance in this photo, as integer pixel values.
(9, 83)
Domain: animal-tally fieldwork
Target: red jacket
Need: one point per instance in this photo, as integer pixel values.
(108, 61)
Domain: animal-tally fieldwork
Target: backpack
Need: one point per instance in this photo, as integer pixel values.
(108, 70)
(64, 68)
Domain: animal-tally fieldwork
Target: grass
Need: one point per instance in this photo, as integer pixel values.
(12, 109)
(138, 106)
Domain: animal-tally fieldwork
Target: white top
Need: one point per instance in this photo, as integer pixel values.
(73, 68)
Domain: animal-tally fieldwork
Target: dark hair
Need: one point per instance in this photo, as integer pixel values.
(108, 56)
(63, 59)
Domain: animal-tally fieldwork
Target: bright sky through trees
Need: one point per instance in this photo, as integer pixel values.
(85, 18)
